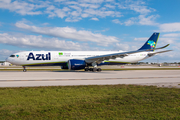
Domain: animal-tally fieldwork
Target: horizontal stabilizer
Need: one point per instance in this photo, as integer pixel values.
(152, 54)
(162, 47)
(157, 48)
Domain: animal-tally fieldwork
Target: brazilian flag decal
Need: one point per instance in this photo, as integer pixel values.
(60, 53)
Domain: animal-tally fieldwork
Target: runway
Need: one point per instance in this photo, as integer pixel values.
(160, 78)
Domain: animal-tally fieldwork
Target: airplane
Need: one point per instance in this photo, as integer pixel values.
(87, 60)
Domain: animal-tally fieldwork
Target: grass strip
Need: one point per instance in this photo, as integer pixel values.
(90, 102)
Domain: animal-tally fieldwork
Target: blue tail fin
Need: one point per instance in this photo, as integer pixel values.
(151, 42)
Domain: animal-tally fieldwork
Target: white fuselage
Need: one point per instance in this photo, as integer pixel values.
(42, 57)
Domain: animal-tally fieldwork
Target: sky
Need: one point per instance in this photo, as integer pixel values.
(89, 25)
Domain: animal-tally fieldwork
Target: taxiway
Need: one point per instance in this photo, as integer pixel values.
(160, 78)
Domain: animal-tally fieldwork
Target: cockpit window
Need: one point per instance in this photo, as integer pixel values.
(12, 56)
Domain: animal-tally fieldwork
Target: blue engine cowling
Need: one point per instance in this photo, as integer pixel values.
(75, 64)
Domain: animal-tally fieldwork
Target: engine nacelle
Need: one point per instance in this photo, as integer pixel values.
(75, 64)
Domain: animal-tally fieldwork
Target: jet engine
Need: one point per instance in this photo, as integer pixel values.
(75, 64)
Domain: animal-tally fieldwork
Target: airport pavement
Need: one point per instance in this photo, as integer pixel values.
(160, 78)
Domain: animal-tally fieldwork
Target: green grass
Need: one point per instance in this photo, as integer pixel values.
(90, 102)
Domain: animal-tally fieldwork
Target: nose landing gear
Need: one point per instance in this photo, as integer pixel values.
(24, 70)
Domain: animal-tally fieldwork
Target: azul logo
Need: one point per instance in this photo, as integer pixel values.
(39, 56)
(151, 43)
(17, 56)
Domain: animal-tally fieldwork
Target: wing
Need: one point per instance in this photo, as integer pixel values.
(99, 59)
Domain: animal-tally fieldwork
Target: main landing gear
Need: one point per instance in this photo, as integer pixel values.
(24, 70)
(93, 69)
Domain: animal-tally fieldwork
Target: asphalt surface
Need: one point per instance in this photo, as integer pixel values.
(160, 78)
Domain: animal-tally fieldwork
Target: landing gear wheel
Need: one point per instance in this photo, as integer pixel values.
(86, 69)
(90, 69)
(99, 70)
(94, 69)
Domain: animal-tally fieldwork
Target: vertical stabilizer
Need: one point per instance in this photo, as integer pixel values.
(151, 42)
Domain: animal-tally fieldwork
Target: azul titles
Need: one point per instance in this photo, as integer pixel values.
(39, 56)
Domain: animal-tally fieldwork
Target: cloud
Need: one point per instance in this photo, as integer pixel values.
(102, 13)
(140, 20)
(143, 17)
(84, 15)
(70, 33)
(86, 5)
(170, 27)
(141, 9)
(70, 10)
(110, 6)
(117, 21)
(74, 11)
(137, 6)
(39, 42)
(92, 1)
(172, 35)
(143, 20)
(165, 40)
(59, 0)
(131, 21)
(22, 7)
(4, 53)
(60, 13)
(121, 46)
(95, 19)
(73, 19)
(5, 1)
(127, 23)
